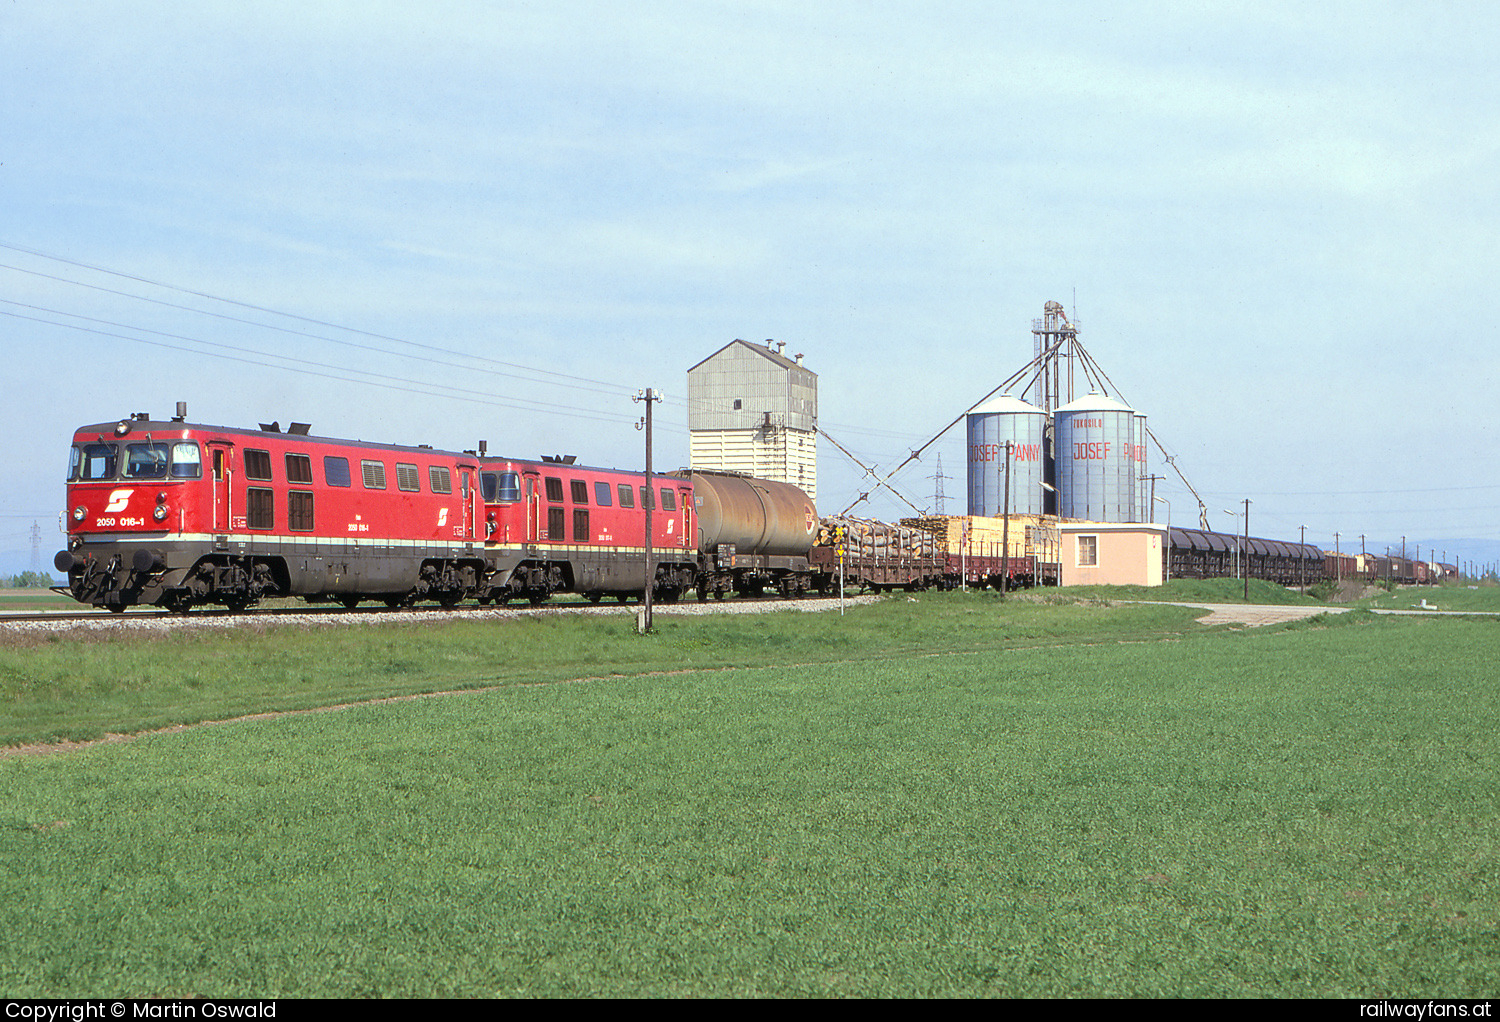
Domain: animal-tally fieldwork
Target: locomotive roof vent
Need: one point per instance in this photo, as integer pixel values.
(142, 416)
(561, 459)
(181, 415)
(299, 428)
(271, 427)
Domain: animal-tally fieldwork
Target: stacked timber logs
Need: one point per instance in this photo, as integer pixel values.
(865, 539)
(1030, 535)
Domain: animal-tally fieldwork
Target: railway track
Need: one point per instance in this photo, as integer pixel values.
(333, 614)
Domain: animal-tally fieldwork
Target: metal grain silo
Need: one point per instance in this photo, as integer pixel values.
(1142, 470)
(1095, 470)
(991, 426)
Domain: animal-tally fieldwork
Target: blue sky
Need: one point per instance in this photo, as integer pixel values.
(1279, 222)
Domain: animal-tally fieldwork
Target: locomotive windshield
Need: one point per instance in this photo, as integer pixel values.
(95, 461)
(145, 461)
(500, 487)
(149, 460)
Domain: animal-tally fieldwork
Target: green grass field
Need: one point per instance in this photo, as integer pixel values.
(948, 797)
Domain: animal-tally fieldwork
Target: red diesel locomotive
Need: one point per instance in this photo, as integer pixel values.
(174, 514)
(553, 526)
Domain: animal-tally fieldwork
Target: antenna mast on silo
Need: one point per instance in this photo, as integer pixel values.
(1054, 342)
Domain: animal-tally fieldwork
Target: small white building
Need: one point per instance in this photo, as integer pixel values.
(1119, 554)
(753, 410)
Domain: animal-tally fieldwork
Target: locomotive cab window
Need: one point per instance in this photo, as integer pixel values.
(580, 491)
(258, 465)
(554, 490)
(602, 495)
(299, 469)
(336, 471)
(407, 478)
(439, 479)
(146, 461)
(187, 461)
(373, 473)
(668, 499)
(98, 461)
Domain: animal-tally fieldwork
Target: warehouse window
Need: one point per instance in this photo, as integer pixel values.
(602, 496)
(554, 489)
(439, 479)
(299, 510)
(258, 465)
(1088, 551)
(627, 495)
(407, 478)
(374, 474)
(299, 469)
(336, 471)
(260, 509)
(580, 526)
(580, 491)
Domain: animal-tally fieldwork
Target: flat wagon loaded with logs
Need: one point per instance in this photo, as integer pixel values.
(980, 551)
(876, 555)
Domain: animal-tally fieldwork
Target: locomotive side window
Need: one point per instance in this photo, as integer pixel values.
(187, 461)
(627, 495)
(374, 474)
(580, 526)
(646, 500)
(439, 479)
(336, 471)
(407, 478)
(554, 489)
(299, 511)
(258, 465)
(555, 530)
(580, 491)
(260, 508)
(299, 469)
(99, 461)
(668, 499)
(146, 461)
(602, 495)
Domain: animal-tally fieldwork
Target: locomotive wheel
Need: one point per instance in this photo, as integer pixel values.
(349, 602)
(238, 604)
(116, 608)
(593, 597)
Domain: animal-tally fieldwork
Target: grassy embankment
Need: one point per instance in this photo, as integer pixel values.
(947, 797)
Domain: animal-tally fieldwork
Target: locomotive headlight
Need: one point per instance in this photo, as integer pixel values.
(79, 512)
(160, 514)
(161, 498)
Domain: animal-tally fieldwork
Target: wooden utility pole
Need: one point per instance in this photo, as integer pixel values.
(643, 623)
